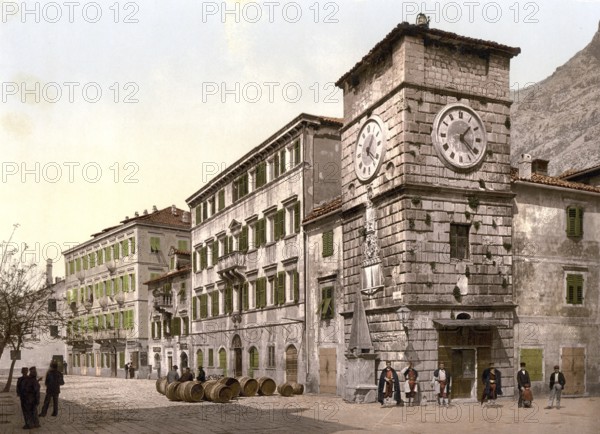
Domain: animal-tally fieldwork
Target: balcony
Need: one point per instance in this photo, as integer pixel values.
(232, 266)
(163, 301)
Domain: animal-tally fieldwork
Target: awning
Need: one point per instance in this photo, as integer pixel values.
(470, 322)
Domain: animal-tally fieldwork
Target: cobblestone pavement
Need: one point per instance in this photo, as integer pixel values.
(106, 405)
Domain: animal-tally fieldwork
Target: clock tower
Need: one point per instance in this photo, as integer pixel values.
(426, 186)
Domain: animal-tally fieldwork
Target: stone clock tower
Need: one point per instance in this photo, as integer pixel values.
(427, 209)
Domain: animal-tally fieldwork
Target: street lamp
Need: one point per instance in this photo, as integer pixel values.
(403, 313)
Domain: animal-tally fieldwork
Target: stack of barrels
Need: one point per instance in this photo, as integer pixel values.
(225, 389)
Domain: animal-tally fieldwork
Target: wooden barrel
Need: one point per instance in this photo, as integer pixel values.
(216, 392)
(248, 386)
(172, 393)
(266, 386)
(298, 388)
(161, 385)
(285, 389)
(191, 391)
(233, 384)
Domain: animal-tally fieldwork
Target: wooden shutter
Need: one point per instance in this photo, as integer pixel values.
(276, 166)
(280, 288)
(125, 247)
(282, 161)
(223, 361)
(327, 244)
(221, 199)
(297, 152)
(297, 217)
(214, 298)
(194, 309)
(574, 222)
(153, 330)
(215, 252)
(245, 300)
(229, 299)
(195, 261)
(571, 288)
(296, 283)
(243, 244)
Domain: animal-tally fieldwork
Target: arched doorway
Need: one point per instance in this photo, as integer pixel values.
(157, 364)
(291, 364)
(183, 361)
(236, 344)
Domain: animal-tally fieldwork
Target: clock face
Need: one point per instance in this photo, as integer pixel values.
(370, 149)
(459, 137)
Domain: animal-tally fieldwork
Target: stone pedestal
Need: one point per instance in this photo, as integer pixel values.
(361, 382)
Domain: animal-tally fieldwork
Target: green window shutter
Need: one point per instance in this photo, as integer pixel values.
(263, 232)
(92, 260)
(327, 244)
(245, 300)
(276, 167)
(297, 152)
(125, 283)
(223, 361)
(100, 254)
(85, 262)
(132, 240)
(228, 299)
(229, 241)
(125, 247)
(195, 261)
(280, 288)
(107, 253)
(574, 222)
(204, 306)
(297, 217)
(182, 245)
(243, 244)
(256, 234)
(121, 359)
(263, 292)
(571, 288)
(214, 298)
(234, 191)
(198, 212)
(282, 161)
(153, 330)
(221, 199)
(132, 286)
(116, 250)
(211, 358)
(194, 309)
(296, 282)
(204, 258)
(261, 174)
(158, 330)
(215, 252)
(78, 264)
(186, 326)
(254, 358)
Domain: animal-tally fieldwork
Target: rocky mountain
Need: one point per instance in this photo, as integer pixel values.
(558, 119)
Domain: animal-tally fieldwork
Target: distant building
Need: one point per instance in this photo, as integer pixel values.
(170, 296)
(249, 252)
(556, 230)
(108, 301)
(589, 176)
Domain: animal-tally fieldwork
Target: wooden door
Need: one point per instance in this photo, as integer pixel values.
(573, 368)
(291, 364)
(463, 372)
(327, 370)
(238, 362)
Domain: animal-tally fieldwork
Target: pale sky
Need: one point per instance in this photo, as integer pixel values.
(71, 166)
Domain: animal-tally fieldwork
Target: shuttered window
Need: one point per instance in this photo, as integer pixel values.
(327, 244)
(459, 241)
(195, 261)
(228, 299)
(215, 252)
(200, 358)
(194, 308)
(279, 298)
(243, 243)
(204, 258)
(198, 212)
(211, 358)
(107, 253)
(574, 289)
(125, 247)
(327, 302)
(176, 326)
(154, 244)
(261, 292)
(221, 200)
(279, 224)
(214, 298)
(245, 299)
(261, 175)
(223, 361)
(297, 152)
(253, 358)
(182, 245)
(282, 166)
(574, 222)
(276, 167)
(296, 285)
(115, 248)
(297, 220)
(204, 306)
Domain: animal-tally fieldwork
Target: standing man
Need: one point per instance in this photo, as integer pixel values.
(522, 382)
(410, 383)
(131, 371)
(65, 367)
(21, 381)
(442, 381)
(557, 384)
(31, 391)
(126, 370)
(201, 375)
(173, 375)
(389, 385)
(492, 379)
(54, 379)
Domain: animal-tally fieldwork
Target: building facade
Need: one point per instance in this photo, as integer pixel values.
(106, 297)
(557, 277)
(427, 210)
(249, 252)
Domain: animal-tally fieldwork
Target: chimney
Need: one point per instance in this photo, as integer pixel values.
(525, 166)
(49, 272)
(540, 167)
(145, 212)
(154, 209)
(137, 214)
(173, 210)
(185, 218)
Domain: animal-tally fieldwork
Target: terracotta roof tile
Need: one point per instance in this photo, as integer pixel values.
(323, 210)
(574, 172)
(162, 217)
(431, 35)
(536, 178)
(170, 274)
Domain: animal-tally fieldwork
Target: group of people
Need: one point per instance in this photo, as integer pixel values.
(389, 385)
(129, 371)
(173, 375)
(28, 391)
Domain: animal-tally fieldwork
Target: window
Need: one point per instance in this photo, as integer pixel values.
(211, 358)
(221, 200)
(459, 241)
(327, 244)
(261, 292)
(243, 241)
(53, 331)
(204, 258)
(85, 262)
(245, 299)
(154, 245)
(116, 250)
(228, 299)
(327, 302)
(297, 220)
(78, 264)
(182, 245)
(195, 261)
(51, 305)
(240, 187)
(271, 361)
(211, 206)
(204, 306)
(214, 298)
(260, 233)
(296, 285)
(253, 358)
(279, 298)
(275, 167)
(260, 178)
(107, 253)
(176, 326)
(215, 252)
(125, 247)
(186, 326)
(574, 289)
(198, 212)
(279, 223)
(100, 254)
(574, 222)
(194, 308)
(227, 245)
(92, 259)
(223, 361)
(297, 152)
(204, 211)
(200, 358)
(282, 167)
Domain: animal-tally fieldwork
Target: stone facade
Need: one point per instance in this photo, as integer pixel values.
(554, 327)
(107, 299)
(405, 81)
(249, 249)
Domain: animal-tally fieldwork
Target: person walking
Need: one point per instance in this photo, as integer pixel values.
(54, 379)
(442, 383)
(557, 384)
(523, 381)
(172, 375)
(389, 385)
(201, 375)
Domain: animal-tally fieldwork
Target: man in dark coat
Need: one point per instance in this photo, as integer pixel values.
(522, 381)
(30, 399)
(54, 379)
(492, 379)
(21, 394)
(187, 376)
(201, 375)
(557, 384)
(131, 371)
(126, 370)
(388, 385)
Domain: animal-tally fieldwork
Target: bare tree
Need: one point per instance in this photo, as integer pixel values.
(24, 299)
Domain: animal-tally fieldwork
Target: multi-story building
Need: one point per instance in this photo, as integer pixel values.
(249, 251)
(556, 224)
(108, 302)
(170, 296)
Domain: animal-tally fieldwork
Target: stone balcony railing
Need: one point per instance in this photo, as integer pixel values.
(232, 266)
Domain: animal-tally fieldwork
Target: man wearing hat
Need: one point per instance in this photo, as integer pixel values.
(522, 382)
(388, 385)
(173, 375)
(557, 384)
(492, 379)
(442, 382)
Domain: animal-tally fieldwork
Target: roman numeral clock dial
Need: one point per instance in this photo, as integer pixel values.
(370, 149)
(459, 137)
